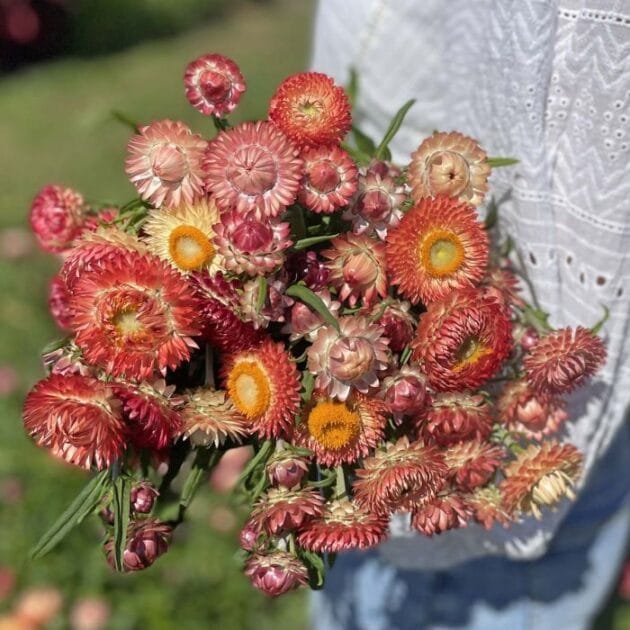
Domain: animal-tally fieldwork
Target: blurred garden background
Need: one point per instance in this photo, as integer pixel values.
(67, 65)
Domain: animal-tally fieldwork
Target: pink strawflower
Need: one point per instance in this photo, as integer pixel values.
(58, 302)
(564, 359)
(472, 463)
(253, 167)
(143, 496)
(330, 179)
(282, 509)
(526, 411)
(274, 307)
(487, 504)
(214, 84)
(397, 322)
(164, 163)
(352, 358)
(147, 540)
(276, 573)
(304, 322)
(441, 513)
(376, 207)
(405, 392)
(286, 469)
(56, 217)
(251, 244)
(357, 268)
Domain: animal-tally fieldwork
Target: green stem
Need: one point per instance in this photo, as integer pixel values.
(340, 485)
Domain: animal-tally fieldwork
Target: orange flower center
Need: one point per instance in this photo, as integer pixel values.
(470, 352)
(333, 425)
(189, 247)
(248, 387)
(441, 252)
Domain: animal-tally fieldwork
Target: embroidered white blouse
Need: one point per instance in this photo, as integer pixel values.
(548, 82)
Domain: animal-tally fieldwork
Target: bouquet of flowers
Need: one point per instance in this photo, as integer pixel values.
(285, 286)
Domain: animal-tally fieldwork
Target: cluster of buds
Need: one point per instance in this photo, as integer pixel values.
(350, 319)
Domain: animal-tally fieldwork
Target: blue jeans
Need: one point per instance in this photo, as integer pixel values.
(563, 590)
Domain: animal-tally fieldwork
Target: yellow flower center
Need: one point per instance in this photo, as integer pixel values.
(470, 352)
(333, 425)
(441, 252)
(189, 247)
(127, 323)
(248, 387)
(309, 108)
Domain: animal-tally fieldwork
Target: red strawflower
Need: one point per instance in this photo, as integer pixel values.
(472, 463)
(56, 217)
(343, 526)
(214, 84)
(487, 504)
(564, 359)
(77, 418)
(453, 417)
(462, 340)
(281, 509)
(134, 315)
(276, 573)
(439, 246)
(399, 477)
(253, 166)
(440, 514)
(58, 299)
(311, 109)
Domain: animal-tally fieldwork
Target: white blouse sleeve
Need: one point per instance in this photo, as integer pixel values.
(548, 83)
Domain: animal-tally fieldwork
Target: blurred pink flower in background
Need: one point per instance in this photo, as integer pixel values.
(9, 380)
(89, 613)
(16, 242)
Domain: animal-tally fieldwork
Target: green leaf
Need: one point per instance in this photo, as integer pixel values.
(314, 302)
(308, 382)
(121, 505)
(353, 87)
(261, 297)
(220, 124)
(83, 505)
(393, 128)
(492, 215)
(405, 356)
(303, 243)
(598, 326)
(497, 162)
(55, 345)
(317, 569)
(260, 458)
(364, 143)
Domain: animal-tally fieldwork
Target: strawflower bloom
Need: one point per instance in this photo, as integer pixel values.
(142, 497)
(488, 508)
(449, 164)
(276, 573)
(253, 166)
(285, 468)
(77, 418)
(357, 268)
(311, 109)
(282, 509)
(134, 315)
(405, 392)
(441, 513)
(274, 307)
(397, 322)
(164, 163)
(462, 340)
(377, 205)
(343, 526)
(251, 244)
(457, 416)
(564, 359)
(94, 249)
(147, 540)
(351, 358)
(56, 217)
(183, 236)
(58, 302)
(341, 432)
(541, 476)
(526, 411)
(214, 84)
(399, 477)
(263, 383)
(304, 322)
(439, 246)
(330, 179)
(151, 412)
(210, 417)
(307, 266)
(472, 463)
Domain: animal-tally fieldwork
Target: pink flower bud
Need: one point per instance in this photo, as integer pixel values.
(58, 303)
(169, 163)
(143, 497)
(286, 470)
(276, 573)
(249, 535)
(147, 540)
(529, 339)
(405, 393)
(350, 358)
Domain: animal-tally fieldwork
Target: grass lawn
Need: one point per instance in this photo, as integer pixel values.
(56, 126)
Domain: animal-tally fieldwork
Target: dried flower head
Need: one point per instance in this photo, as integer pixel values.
(472, 463)
(282, 509)
(449, 164)
(441, 513)
(147, 540)
(276, 573)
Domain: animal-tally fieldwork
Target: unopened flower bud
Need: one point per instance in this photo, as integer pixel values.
(143, 497)
(147, 540)
(286, 470)
(405, 393)
(276, 573)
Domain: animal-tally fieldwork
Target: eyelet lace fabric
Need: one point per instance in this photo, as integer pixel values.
(546, 82)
